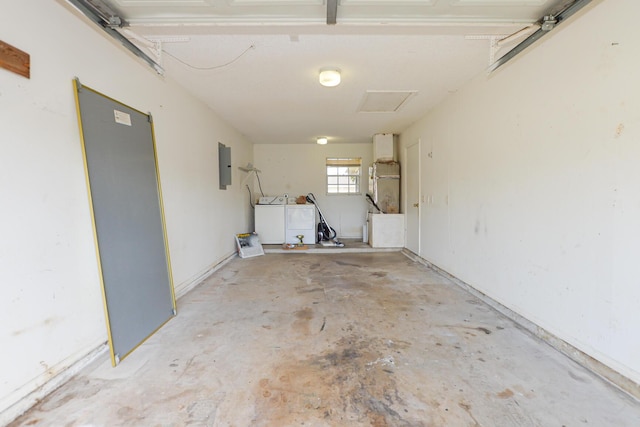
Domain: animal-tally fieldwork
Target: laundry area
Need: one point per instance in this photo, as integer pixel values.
(298, 222)
(346, 339)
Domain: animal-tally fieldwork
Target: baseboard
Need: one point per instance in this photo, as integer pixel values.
(605, 372)
(28, 401)
(202, 276)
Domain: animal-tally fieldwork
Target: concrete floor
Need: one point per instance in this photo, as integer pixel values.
(343, 339)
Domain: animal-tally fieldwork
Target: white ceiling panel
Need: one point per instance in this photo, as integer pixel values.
(387, 101)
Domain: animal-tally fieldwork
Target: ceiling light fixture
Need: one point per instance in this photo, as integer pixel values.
(322, 140)
(329, 77)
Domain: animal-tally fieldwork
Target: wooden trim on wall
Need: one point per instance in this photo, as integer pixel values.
(13, 59)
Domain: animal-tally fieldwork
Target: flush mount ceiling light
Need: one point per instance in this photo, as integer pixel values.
(322, 140)
(329, 77)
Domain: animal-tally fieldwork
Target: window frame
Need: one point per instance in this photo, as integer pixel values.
(343, 163)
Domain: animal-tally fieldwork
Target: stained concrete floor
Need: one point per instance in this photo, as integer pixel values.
(371, 339)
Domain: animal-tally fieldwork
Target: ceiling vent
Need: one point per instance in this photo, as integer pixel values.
(384, 101)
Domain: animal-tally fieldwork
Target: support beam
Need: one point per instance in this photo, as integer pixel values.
(332, 12)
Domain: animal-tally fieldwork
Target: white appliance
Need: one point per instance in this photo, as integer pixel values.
(384, 186)
(386, 230)
(278, 224)
(277, 200)
(300, 220)
(383, 147)
(270, 222)
(273, 200)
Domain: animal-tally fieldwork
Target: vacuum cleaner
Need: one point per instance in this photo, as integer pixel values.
(325, 231)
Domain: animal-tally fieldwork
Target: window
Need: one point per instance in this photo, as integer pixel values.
(343, 175)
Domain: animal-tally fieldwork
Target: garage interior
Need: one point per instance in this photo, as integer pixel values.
(512, 301)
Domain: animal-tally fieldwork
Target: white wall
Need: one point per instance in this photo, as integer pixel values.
(52, 313)
(536, 185)
(299, 169)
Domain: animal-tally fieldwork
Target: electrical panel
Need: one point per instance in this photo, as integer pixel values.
(224, 165)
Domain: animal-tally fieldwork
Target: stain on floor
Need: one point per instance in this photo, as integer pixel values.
(347, 384)
(370, 339)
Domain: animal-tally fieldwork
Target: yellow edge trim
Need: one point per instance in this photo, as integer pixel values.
(93, 221)
(164, 226)
(145, 339)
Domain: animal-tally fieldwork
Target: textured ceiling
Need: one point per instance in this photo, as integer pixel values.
(256, 62)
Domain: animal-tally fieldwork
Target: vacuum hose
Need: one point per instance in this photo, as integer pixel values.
(374, 203)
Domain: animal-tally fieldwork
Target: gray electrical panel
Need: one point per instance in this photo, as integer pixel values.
(224, 166)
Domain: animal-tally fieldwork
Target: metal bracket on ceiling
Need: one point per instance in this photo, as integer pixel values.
(547, 23)
(101, 14)
(332, 12)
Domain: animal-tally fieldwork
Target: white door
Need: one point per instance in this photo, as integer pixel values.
(412, 174)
